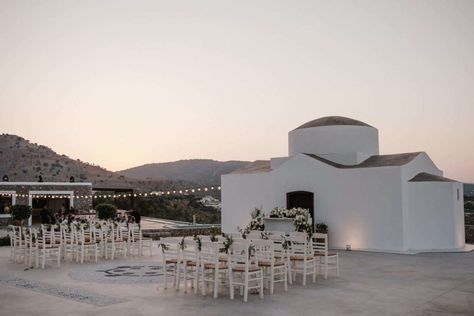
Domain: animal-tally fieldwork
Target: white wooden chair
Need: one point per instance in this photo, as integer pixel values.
(189, 260)
(242, 272)
(47, 247)
(115, 243)
(29, 244)
(86, 245)
(301, 258)
(69, 243)
(211, 267)
(274, 270)
(170, 260)
(138, 242)
(17, 245)
(324, 258)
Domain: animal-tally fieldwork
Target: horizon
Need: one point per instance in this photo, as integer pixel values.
(125, 85)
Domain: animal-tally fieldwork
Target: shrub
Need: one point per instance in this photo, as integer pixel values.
(106, 211)
(5, 241)
(20, 212)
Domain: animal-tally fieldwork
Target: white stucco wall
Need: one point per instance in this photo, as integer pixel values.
(333, 140)
(422, 163)
(362, 207)
(240, 194)
(435, 216)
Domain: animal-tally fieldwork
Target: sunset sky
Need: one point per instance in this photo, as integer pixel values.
(123, 83)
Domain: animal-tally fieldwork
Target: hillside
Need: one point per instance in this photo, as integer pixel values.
(22, 160)
(200, 171)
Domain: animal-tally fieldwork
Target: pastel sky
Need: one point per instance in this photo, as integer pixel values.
(123, 83)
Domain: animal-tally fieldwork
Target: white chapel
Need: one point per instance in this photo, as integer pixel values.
(397, 202)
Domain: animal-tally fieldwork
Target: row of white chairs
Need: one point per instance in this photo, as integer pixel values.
(76, 242)
(255, 262)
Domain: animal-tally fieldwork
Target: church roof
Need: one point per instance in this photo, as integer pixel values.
(255, 167)
(332, 121)
(428, 177)
(373, 161)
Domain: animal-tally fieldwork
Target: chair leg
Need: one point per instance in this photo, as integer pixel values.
(261, 283)
(178, 275)
(196, 279)
(216, 282)
(289, 272)
(314, 270)
(285, 276)
(304, 273)
(203, 282)
(231, 284)
(165, 277)
(337, 265)
(272, 279)
(185, 277)
(246, 287)
(325, 268)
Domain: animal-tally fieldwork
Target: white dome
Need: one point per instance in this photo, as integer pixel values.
(346, 139)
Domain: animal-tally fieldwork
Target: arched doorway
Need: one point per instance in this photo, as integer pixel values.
(303, 199)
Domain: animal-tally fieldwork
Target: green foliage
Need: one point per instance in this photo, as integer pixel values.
(180, 208)
(321, 228)
(469, 206)
(106, 211)
(20, 212)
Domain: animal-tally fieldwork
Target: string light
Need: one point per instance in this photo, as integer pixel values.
(124, 195)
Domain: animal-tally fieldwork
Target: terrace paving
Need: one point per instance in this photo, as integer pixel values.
(370, 284)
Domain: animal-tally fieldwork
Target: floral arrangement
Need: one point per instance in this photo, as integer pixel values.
(182, 243)
(256, 222)
(228, 243)
(163, 246)
(197, 239)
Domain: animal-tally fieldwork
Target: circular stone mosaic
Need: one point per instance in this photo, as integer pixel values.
(119, 272)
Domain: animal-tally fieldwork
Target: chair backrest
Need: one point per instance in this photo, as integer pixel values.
(235, 235)
(254, 234)
(189, 249)
(50, 235)
(15, 234)
(264, 250)
(299, 245)
(209, 252)
(135, 232)
(320, 243)
(170, 248)
(239, 254)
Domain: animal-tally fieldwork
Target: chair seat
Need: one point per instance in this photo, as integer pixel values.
(220, 266)
(191, 263)
(171, 260)
(320, 254)
(242, 269)
(48, 247)
(269, 264)
(300, 258)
